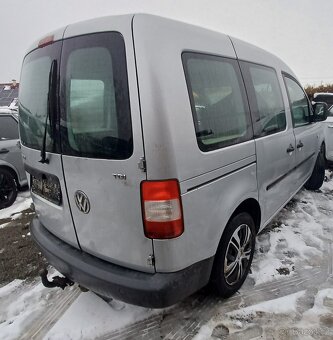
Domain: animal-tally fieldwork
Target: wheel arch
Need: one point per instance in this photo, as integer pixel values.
(252, 207)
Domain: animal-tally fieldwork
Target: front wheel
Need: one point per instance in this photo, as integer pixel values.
(8, 189)
(234, 255)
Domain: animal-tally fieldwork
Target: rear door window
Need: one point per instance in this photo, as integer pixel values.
(95, 118)
(266, 101)
(218, 100)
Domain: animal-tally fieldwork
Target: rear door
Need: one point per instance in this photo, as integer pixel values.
(46, 178)
(102, 144)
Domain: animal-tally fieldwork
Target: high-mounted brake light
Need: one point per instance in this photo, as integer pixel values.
(162, 209)
(46, 41)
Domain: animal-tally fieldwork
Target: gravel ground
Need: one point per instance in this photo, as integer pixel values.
(19, 257)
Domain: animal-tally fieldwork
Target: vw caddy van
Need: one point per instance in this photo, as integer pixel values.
(156, 151)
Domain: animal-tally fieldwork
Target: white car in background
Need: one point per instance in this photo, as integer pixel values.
(329, 135)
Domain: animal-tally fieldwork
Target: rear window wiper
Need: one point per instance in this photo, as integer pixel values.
(51, 101)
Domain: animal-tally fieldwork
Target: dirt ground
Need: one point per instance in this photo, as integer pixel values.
(19, 257)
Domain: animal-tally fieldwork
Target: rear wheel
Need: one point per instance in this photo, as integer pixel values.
(318, 174)
(8, 188)
(234, 255)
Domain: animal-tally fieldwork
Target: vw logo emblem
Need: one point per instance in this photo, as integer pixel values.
(82, 201)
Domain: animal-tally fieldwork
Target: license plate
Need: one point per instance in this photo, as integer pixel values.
(48, 187)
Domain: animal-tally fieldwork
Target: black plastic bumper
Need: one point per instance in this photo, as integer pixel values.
(156, 290)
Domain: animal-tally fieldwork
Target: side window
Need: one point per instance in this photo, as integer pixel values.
(8, 128)
(218, 100)
(267, 103)
(299, 104)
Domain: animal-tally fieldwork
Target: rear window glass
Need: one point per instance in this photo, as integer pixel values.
(96, 120)
(33, 97)
(219, 107)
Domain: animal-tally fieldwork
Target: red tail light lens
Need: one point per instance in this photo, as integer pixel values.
(162, 209)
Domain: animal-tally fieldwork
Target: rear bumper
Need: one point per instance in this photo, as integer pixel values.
(156, 290)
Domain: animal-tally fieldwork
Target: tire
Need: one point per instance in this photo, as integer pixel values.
(8, 188)
(318, 174)
(226, 281)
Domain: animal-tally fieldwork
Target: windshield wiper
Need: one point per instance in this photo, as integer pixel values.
(51, 102)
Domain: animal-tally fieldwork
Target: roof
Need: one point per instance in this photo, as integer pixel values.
(322, 94)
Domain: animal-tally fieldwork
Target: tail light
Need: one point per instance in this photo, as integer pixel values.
(162, 209)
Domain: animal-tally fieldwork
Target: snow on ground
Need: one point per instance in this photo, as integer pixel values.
(20, 304)
(296, 235)
(104, 317)
(295, 238)
(281, 318)
(23, 202)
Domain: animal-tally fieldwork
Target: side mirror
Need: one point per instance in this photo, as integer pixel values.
(320, 111)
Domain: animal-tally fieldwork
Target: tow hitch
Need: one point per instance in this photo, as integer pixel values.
(57, 281)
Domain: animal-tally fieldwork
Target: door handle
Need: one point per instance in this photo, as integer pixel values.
(300, 145)
(330, 126)
(4, 151)
(290, 149)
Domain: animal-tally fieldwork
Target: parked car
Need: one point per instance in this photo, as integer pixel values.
(328, 127)
(12, 173)
(325, 97)
(157, 151)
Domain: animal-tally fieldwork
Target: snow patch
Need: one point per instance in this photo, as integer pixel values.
(10, 288)
(21, 310)
(282, 305)
(22, 202)
(102, 318)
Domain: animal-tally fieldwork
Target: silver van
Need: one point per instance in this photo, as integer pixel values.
(157, 150)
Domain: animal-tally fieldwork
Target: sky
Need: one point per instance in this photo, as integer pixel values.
(297, 31)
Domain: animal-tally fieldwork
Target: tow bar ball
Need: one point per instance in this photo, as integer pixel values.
(56, 281)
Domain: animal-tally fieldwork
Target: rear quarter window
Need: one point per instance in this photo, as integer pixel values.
(218, 101)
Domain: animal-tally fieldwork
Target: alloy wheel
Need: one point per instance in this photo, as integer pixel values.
(238, 254)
